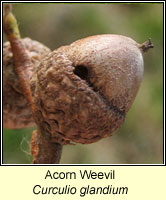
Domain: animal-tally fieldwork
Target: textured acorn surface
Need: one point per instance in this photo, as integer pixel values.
(16, 111)
(83, 91)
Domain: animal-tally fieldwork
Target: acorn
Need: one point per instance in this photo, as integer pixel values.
(79, 93)
(16, 110)
(82, 92)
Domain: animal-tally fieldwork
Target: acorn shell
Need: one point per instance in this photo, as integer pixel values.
(84, 90)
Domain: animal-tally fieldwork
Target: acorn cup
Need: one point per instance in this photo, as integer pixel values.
(16, 109)
(79, 93)
(82, 92)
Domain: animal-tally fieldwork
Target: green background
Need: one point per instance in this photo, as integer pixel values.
(140, 139)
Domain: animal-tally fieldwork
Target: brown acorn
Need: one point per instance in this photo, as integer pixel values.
(16, 109)
(82, 92)
(79, 93)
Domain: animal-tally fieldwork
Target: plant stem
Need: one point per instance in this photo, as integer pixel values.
(43, 150)
(21, 59)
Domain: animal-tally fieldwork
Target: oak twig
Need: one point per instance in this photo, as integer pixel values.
(21, 60)
(43, 150)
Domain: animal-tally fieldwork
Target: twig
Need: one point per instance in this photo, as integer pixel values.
(43, 150)
(21, 60)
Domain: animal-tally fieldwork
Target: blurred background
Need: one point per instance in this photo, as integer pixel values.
(140, 139)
